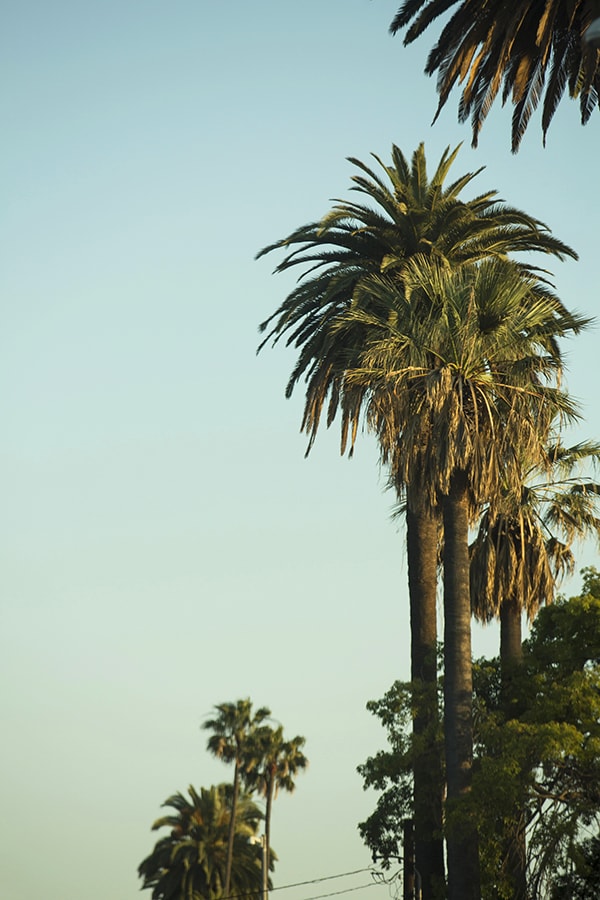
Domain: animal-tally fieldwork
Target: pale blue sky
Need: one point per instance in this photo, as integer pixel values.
(165, 546)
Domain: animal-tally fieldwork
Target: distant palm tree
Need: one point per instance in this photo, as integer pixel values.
(523, 50)
(457, 386)
(277, 762)
(406, 212)
(232, 729)
(190, 862)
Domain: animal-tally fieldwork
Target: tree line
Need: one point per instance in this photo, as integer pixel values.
(214, 849)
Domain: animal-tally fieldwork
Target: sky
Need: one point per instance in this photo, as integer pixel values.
(165, 544)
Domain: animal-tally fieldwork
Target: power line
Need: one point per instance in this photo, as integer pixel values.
(360, 887)
(317, 880)
(284, 887)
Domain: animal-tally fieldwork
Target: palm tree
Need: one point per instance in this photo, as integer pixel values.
(530, 49)
(456, 390)
(277, 762)
(190, 862)
(524, 542)
(406, 213)
(523, 546)
(232, 729)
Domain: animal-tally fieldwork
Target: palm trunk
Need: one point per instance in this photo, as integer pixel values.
(463, 857)
(234, 800)
(268, 809)
(511, 657)
(422, 543)
(511, 642)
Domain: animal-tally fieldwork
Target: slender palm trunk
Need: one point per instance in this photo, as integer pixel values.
(422, 535)
(234, 800)
(268, 810)
(511, 657)
(463, 857)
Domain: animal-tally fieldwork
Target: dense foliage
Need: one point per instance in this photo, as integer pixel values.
(542, 757)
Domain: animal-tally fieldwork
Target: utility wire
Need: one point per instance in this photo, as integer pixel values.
(284, 887)
(360, 887)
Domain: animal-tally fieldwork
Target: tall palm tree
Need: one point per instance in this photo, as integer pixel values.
(232, 728)
(529, 48)
(523, 546)
(458, 385)
(277, 762)
(190, 862)
(405, 213)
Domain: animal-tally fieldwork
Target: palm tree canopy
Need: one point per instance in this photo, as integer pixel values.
(406, 212)
(524, 541)
(278, 760)
(189, 863)
(231, 727)
(527, 49)
(460, 373)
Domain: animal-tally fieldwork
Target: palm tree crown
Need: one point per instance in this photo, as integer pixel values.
(524, 541)
(407, 213)
(190, 862)
(231, 728)
(451, 354)
(528, 48)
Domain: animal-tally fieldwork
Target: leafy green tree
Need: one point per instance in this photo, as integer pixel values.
(464, 354)
(525, 50)
(233, 727)
(524, 544)
(391, 772)
(190, 862)
(406, 213)
(278, 761)
(545, 762)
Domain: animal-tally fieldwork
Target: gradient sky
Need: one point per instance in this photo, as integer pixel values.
(165, 545)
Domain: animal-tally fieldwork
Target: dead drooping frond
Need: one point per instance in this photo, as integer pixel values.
(458, 375)
(525, 537)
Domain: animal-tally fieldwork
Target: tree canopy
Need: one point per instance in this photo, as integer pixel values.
(190, 862)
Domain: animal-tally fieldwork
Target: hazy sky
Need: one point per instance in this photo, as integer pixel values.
(165, 545)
